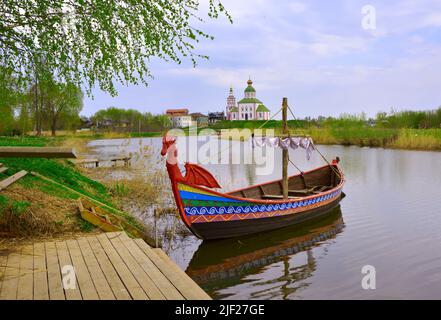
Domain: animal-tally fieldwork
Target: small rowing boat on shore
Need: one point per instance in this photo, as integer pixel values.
(108, 221)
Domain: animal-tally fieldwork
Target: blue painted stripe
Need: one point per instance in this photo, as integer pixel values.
(198, 196)
(191, 210)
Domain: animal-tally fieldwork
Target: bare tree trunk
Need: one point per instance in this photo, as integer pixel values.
(53, 128)
(40, 120)
(37, 109)
(54, 121)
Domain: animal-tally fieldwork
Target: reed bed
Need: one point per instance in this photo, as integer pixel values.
(412, 139)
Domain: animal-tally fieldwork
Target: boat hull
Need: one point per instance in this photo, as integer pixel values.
(213, 215)
(237, 228)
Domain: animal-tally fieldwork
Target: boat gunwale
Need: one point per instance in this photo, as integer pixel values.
(228, 195)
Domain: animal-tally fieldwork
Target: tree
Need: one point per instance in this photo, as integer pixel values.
(24, 121)
(7, 100)
(135, 120)
(96, 42)
(62, 100)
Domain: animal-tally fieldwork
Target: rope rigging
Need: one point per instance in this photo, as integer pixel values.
(290, 161)
(315, 148)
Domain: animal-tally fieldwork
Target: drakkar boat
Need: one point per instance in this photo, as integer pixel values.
(211, 214)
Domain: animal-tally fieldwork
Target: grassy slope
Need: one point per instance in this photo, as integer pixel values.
(61, 171)
(27, 141)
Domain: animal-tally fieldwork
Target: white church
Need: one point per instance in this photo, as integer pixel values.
(249, 108)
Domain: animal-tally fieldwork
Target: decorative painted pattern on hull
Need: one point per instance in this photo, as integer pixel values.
(203, 206)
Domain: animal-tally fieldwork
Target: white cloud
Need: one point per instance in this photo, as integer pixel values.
(331, 44)
(433, 20)
(221, 77)
(319, 54)
(297, 7)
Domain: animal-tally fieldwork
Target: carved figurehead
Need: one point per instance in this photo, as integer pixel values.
(194, 174)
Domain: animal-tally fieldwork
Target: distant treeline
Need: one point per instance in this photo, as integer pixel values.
(129, 120)
(393, 120)
(408, 119)
(411, 119)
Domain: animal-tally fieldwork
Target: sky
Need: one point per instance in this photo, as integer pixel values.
(326, 57)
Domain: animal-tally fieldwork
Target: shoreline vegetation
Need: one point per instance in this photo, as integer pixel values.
(362, 136)
(412, 130)
(34, 208)
(407, 139)
(38, 209)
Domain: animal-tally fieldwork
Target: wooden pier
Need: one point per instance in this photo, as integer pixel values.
(96, 162)
(109, 266)
(37, 152)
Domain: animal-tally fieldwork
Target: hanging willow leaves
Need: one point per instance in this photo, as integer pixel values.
(99, 42)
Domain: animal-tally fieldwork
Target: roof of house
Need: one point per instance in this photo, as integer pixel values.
(216, 114)
(177, 112)
(198, 115)
(262, 108)
(250, 100)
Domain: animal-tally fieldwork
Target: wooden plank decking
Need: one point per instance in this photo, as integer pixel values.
(37, 152)
(109, 266)
(96, 162)
(10, 180)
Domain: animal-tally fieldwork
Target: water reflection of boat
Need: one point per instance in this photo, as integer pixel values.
(223, 262)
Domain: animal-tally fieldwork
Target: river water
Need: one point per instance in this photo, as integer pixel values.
(390, 220)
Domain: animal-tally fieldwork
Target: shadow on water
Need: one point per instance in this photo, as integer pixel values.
(220, 264)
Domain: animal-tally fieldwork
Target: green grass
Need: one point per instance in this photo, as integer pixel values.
(4, 203)
(415, 139)
(27, 141)
(364, 136)
(17, 207)
(45, 141)
(60, 171)
(86, 226)
(255, 124)
(145, 134)
(64, 173)
(349, 132)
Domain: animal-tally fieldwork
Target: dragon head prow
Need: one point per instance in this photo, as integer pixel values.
(167, 142)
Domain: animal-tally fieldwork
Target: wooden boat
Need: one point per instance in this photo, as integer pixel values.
(211, 214)
(109, 222)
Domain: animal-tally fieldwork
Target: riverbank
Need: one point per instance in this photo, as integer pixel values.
(33, 207)
(37, 208)
(68, 139)
(362, 136)
(409, 139)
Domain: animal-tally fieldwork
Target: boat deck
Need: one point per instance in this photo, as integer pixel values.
(109, 266)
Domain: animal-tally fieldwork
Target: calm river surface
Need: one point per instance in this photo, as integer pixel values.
(389, 219)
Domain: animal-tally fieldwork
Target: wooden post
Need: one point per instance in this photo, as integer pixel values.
(285, 157)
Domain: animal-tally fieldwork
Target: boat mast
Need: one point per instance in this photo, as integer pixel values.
(285, 158)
